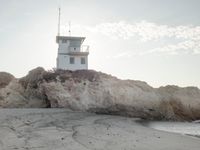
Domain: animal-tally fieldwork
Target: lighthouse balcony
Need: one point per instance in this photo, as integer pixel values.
(83, 50)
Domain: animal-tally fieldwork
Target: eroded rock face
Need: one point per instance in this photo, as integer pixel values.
(5, 79)
(181, 103)
(87, 90)
(18, 94)
(103, 94)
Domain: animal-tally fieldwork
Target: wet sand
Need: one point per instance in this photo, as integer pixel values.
(60, 129)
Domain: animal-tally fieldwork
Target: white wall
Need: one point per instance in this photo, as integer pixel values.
(63, 62)
(69, 46)
(63, 47)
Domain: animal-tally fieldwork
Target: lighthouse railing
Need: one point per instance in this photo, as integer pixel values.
(82, 49)
(85, 48)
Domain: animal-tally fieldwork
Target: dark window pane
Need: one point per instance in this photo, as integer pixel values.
(71, 60)
(82, 60)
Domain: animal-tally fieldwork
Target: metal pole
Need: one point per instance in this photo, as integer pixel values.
(59, 23)
(69, 28)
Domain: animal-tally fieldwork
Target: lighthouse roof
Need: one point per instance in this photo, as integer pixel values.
(70, 38)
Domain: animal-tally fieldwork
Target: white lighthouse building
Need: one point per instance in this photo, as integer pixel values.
(72, 55)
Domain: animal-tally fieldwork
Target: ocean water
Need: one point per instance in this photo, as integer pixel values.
(187, 128)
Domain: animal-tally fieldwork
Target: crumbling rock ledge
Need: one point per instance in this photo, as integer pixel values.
(91, 91)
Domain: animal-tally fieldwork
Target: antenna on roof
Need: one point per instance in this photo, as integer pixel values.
(59, 21)
(69, 28)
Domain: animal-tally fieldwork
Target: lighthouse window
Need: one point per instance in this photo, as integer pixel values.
(64, 41)
(82, 60)
(71, 60)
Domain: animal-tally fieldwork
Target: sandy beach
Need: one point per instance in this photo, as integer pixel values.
(60, 129)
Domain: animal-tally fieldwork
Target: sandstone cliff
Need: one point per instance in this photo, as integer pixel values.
(88, 90)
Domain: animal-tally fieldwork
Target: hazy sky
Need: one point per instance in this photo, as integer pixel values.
(157, 41)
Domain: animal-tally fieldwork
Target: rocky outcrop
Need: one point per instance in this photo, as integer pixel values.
(5, 79)
(88, 90)
(20, 94)
(181, 103)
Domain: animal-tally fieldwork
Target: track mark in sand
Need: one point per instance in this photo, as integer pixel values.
(75, 136)
(2, 145)
(29, 148)
(100, 121)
